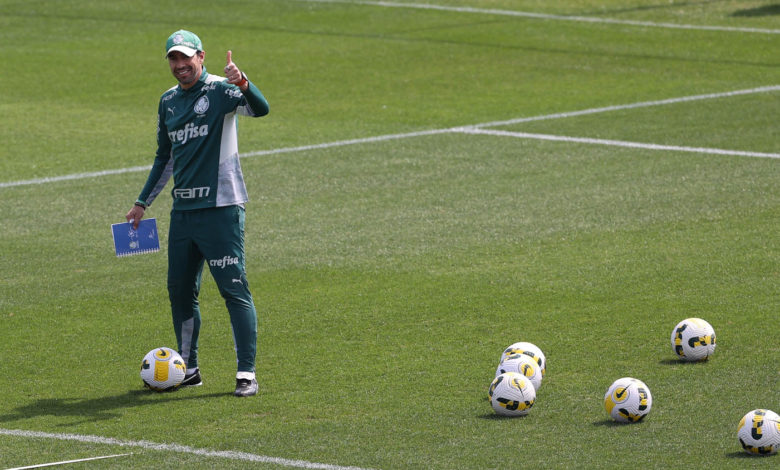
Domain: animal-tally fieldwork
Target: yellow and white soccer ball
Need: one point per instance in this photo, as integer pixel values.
(693, 339)
(529, 349)
(628, 400)
(162, 369)
(512, 394)
(759, 432)
(524, 365)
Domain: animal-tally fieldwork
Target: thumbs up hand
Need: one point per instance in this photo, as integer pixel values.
(233, 74)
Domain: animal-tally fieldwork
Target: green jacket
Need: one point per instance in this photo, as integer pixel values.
(197, 143)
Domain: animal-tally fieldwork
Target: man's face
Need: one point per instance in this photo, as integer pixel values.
(187, 70)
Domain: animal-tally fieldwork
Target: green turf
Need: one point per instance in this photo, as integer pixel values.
(390, 275)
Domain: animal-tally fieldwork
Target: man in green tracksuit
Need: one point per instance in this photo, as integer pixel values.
(197, 144)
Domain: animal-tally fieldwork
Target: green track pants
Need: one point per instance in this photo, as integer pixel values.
(214, 236)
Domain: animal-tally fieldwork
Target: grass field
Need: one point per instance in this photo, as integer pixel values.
(434, 182)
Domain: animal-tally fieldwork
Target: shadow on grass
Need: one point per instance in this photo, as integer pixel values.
(659, 6)
(610, 423)
(766, 10)
(498, 417)
(97, 409)
(677, 362)
(745, 455)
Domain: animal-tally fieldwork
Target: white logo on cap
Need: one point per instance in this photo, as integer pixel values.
(178, 39)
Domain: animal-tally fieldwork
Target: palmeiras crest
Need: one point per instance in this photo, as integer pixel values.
(202, 105)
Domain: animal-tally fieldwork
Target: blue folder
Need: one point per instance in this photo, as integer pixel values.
(128, 242)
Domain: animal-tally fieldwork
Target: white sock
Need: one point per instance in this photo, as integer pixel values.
(246, 375)
(191, 371)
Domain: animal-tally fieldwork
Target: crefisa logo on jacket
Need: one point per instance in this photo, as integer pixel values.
(202, 105)
(189, 131)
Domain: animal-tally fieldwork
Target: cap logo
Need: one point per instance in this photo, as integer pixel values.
(179, 40)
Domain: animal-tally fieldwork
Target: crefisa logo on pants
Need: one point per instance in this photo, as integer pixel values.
(222, 262)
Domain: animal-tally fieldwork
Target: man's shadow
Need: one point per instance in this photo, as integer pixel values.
(97, 409)
(766, 10)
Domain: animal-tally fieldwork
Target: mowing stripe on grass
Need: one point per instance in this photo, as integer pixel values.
(224, 454)
(618, 143)
(546, 16)
(63, 462)
(382, 138)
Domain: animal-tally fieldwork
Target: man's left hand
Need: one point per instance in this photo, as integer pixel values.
(233, 74)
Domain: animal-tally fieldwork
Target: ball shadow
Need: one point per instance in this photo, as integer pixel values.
(745, 455)
(610, 423)
(675, 362)
(498, 417)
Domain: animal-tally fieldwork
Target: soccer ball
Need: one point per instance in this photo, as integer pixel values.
(693, 339)
(529, 349)
(759, 432)
(162, 369)
(628, 400)
(512, 394)
(523, 365)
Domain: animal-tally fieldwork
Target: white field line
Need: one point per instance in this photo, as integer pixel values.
(618, 143)
(76, 176)
(301, 148)
(63, 462)
(642, 104)
(232, 455)
(381, 138)
(341, 143)
(544, 16)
